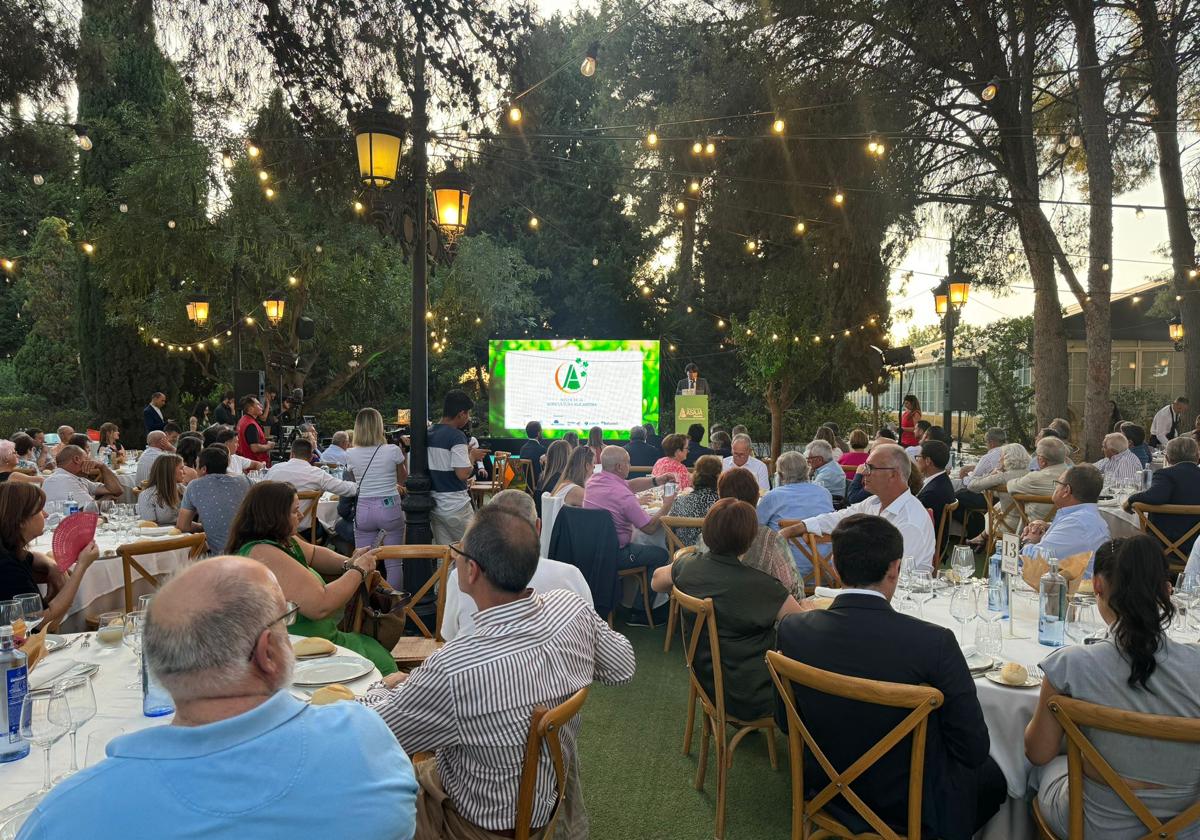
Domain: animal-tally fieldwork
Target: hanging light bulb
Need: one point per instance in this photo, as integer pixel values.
(8, 264)
(697, 148)
(293, 280)
(515, 115)
(123, 207)
(171, 224)
(694, 187)
(990, 90)
(720, 324)
(1139, 213)
(263, 176)
(801, 228)
(1075, 140)
(680, 207)
(710, 148)
(81, 137)
(269, 193)
(839, 198)
(645, 291)
(533, 222)
(595, 261)
(253, 150)
(227, 159)
(779, 126)
(689, 310)
(38, 180)
(88, 248)
(588, 68)
(751, 246)
(652, 139)
(1061, 147)
(359, 207)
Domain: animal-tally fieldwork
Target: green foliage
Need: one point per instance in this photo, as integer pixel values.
(1138, 405)
(48, 369)
(800, 424)
(26, 412)
(335, 420)
(38, 49)
(8, 379)
(49, 278)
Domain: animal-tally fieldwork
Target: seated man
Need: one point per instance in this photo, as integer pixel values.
(922, 428)
(1054, 430)
(612, 490)
(860, 635)
(1052, 456)
(1178, 483)
(242, 758)
(299, 472)
(156, 444)
(970, 499)
(1136, 436)
(534, 449)
(459, 613)
(471, 701)
(795, 497)
(214, 497)
(937, 490)
(238, 464)
(826, 471)
(885, 476)
(336, 451)
(80, 479)
(741, 455)
(1119, 465)
(1078, 526)
(641, 454)
(696, 449)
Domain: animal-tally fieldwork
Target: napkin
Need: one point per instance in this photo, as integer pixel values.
(1071, 568)
(826, 592)
(52, 671)
(34, 648)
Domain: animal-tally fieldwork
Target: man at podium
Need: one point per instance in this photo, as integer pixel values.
(692, 384)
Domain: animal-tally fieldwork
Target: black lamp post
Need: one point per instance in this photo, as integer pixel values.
(949, 298)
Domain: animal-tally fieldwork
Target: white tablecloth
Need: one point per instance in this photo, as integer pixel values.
(327, 513)
(127, 475)
(1120, 523)
(119, 711)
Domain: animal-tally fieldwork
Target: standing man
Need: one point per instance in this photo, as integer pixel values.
(152, 416)
(451, 463)
(1166, 423)
(692, 382)
(226, 411)
(253, 442)
(534, 449)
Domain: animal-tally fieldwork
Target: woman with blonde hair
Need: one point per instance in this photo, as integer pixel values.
(159, 501)
(9, 466)
(557, 455)
(379, 470)
(579, 469)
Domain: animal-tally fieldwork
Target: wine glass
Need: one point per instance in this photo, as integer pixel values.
(922, 589)
(81, 700)
(12, 615)
(962, 561)
(962, 609)
(45, 718)
(32, 609)
(135, 622)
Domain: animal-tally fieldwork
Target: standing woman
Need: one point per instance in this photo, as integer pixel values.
(199, 419)
(596, 443)
(379, 470)
(909, 419)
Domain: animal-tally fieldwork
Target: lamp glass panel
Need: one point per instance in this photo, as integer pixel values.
(378, 158)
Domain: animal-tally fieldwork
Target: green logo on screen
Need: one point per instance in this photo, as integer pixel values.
(570, 377)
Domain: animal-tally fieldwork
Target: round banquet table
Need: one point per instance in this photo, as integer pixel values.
(118, 711)
(1120, 524)
(127, 475)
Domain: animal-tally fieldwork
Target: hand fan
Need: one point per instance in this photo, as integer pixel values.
(71, 536)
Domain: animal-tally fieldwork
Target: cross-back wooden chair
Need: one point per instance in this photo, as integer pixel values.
(942, 536)
(677, 549)
(999, 505)
(481, 491)
(809, 545)
(1071, 714)
(544, 728)
(716, 721)
(1172, 549)
(643, 579)
(635, 472)
(309, 499)
(129, 553)
(413, 650)
(522, 473)
(1021, 500)
(921, 700)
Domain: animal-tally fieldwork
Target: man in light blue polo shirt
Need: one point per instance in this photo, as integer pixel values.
(242, 758)
(1078, 525)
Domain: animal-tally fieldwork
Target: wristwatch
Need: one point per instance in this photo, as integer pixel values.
(346, 564)
(653, 481)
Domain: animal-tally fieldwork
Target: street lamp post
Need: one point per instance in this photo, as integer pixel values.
(949, 298)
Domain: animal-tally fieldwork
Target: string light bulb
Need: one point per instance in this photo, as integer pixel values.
(533, 222)
(1139, 213)
(359, 207)
(697, 148)
(680, 207)
(779, 126)
(263, 176)
(588, 67)
(751, 246)
(81, 137)
(478, 320)
(216, 342)
(515, 115)
(720, 324)
(652, 139)
(38, 180)
(227, 159)
(1061, 147)
(88, 248)
(645, 291)
(694, 187)
(990, 90)
(293, 280)
(839, 198)
(250, 320)
(801, 228)
(1193, 273)
(710, 148)
(1075, 141)
(171, 224)
(253, 150)
(689, 310)
(123, 207)
(595, 261)
(8, 264)
(269, 193)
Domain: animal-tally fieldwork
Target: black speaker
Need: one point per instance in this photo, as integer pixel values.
(306, 329)
(964, 389)
(897, 356)
(246, 382)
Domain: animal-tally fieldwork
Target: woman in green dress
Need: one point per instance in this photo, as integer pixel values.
(265, 529)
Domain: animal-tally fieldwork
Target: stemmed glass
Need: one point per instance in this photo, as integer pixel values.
(134, 623)
(962, 561)
(12, 614)
(32, 609)
(1184, 596)
(45, 718)
(81, 701)
(904, 582)
(962, 610)
(921, 581)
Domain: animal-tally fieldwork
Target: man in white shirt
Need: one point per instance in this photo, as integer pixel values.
(885, 476)
(1165, 424)
(156, 444)
(1119, 465)
(238, 464)
(301, 474)
(336, 453)
(995, 438)
(78, 478)
(743, 457)
(458, 616)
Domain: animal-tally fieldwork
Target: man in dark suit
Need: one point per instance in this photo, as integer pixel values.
(152, 416)
(1175, 484)
(641, 453)
(860, 635)
(534, 448)
(938, 489)
(693, 381)
(696, 450)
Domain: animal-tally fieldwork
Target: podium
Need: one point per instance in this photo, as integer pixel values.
(691, 409)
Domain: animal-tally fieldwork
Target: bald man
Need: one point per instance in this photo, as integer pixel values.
(80, 479)
(156, 444)
(243, 757)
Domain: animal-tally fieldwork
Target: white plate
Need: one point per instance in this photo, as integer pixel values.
(154, 532)
(978, 662)
(1030, 682)
(333, 669)
(54, 642)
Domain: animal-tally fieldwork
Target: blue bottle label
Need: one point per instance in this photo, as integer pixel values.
(16, 683)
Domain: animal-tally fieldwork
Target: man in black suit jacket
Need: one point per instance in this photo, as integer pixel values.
(1176, 484)
(534, 448)
(696, 450)
(692, 380)
(641, 453)
(152, 416)
(860, 635)
(938, 490)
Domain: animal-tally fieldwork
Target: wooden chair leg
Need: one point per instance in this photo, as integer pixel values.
(705, 734)
(644, 579)
(672, 617)
(691, 721)
(722, 783)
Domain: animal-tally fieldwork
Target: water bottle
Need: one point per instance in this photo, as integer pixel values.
(156, 702)
(997, 590)
(16, 683)
(1052, 607)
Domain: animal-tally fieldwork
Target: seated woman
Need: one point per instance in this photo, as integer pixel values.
(580, 467)
(159, 501)
(557, 454)
(747, 602)
(188, 448)
(26, 453)
(826, 434)
(1137, 668)
(9, 468)
(695, 505)
(21, 570)
(675, 449)
(265, 529)
(111, 452)
(857, 455)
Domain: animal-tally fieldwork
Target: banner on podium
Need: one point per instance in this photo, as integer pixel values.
(689, 410)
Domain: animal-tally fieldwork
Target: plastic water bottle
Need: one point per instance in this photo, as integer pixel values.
(156, 702)
(16, 684)
(997, 591)
(1052, 607)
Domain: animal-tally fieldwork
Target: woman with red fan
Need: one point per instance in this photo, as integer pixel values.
(22, 520)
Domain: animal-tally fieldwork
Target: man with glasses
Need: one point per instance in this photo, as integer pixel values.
(242, 757)
(451, 463)
(470, 702)
(1077, 526)
(885, 476)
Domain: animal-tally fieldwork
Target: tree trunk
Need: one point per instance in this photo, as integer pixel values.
(1050, 369)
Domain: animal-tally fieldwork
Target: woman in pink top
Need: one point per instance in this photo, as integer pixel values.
(857, 456)
(675, 449)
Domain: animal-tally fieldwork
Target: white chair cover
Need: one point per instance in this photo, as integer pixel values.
(550, 507)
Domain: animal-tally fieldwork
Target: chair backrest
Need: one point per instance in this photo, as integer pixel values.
(635, 471)
(809, 545)
(705, 620)
(587, 539)
(522, 474)
(670, 523)
(438, 553)
(1020, 500)
(1072, 713)
(194, 543)
(545, 727)
(500, 472)
(943, 533)
(309, 499)
(999, 506)
(686, 551)
(1171, 548)
(921, 700)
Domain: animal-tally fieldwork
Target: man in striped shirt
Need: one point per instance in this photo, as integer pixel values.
(451, 463)
(1119, 465)
(471, 701)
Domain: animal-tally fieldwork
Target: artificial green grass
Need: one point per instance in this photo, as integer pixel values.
(637, 782)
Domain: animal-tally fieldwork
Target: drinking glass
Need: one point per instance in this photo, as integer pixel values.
(144, 602)
(110, 628)
(12, 614)
(45, 718)
(32, 609)
(922, 589)
(962, 610)
(96, 748)
(962, 561)
(1083, 620)
(989, 639)
(81, 701)
(132, 637)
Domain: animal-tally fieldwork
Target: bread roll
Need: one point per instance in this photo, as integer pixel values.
(313, 646)
(331, 693)
(146, 523)
(1014, 673)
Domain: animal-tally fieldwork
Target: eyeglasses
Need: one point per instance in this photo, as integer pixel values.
(457, 549)
(288, 619)
(871, 468)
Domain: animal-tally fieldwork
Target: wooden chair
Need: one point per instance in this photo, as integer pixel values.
(823, 573)
(413, 650)
(481, 491)
(942, 535)
(1071, 714)
(130, 551)
(999, 505)
(635, 472)
(522, 471)
(544, 729)
(681, 551)
(643, 578)
(716, 721)
(309, 499)
(1020, 500)
(1171, 548)
(922, 700)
